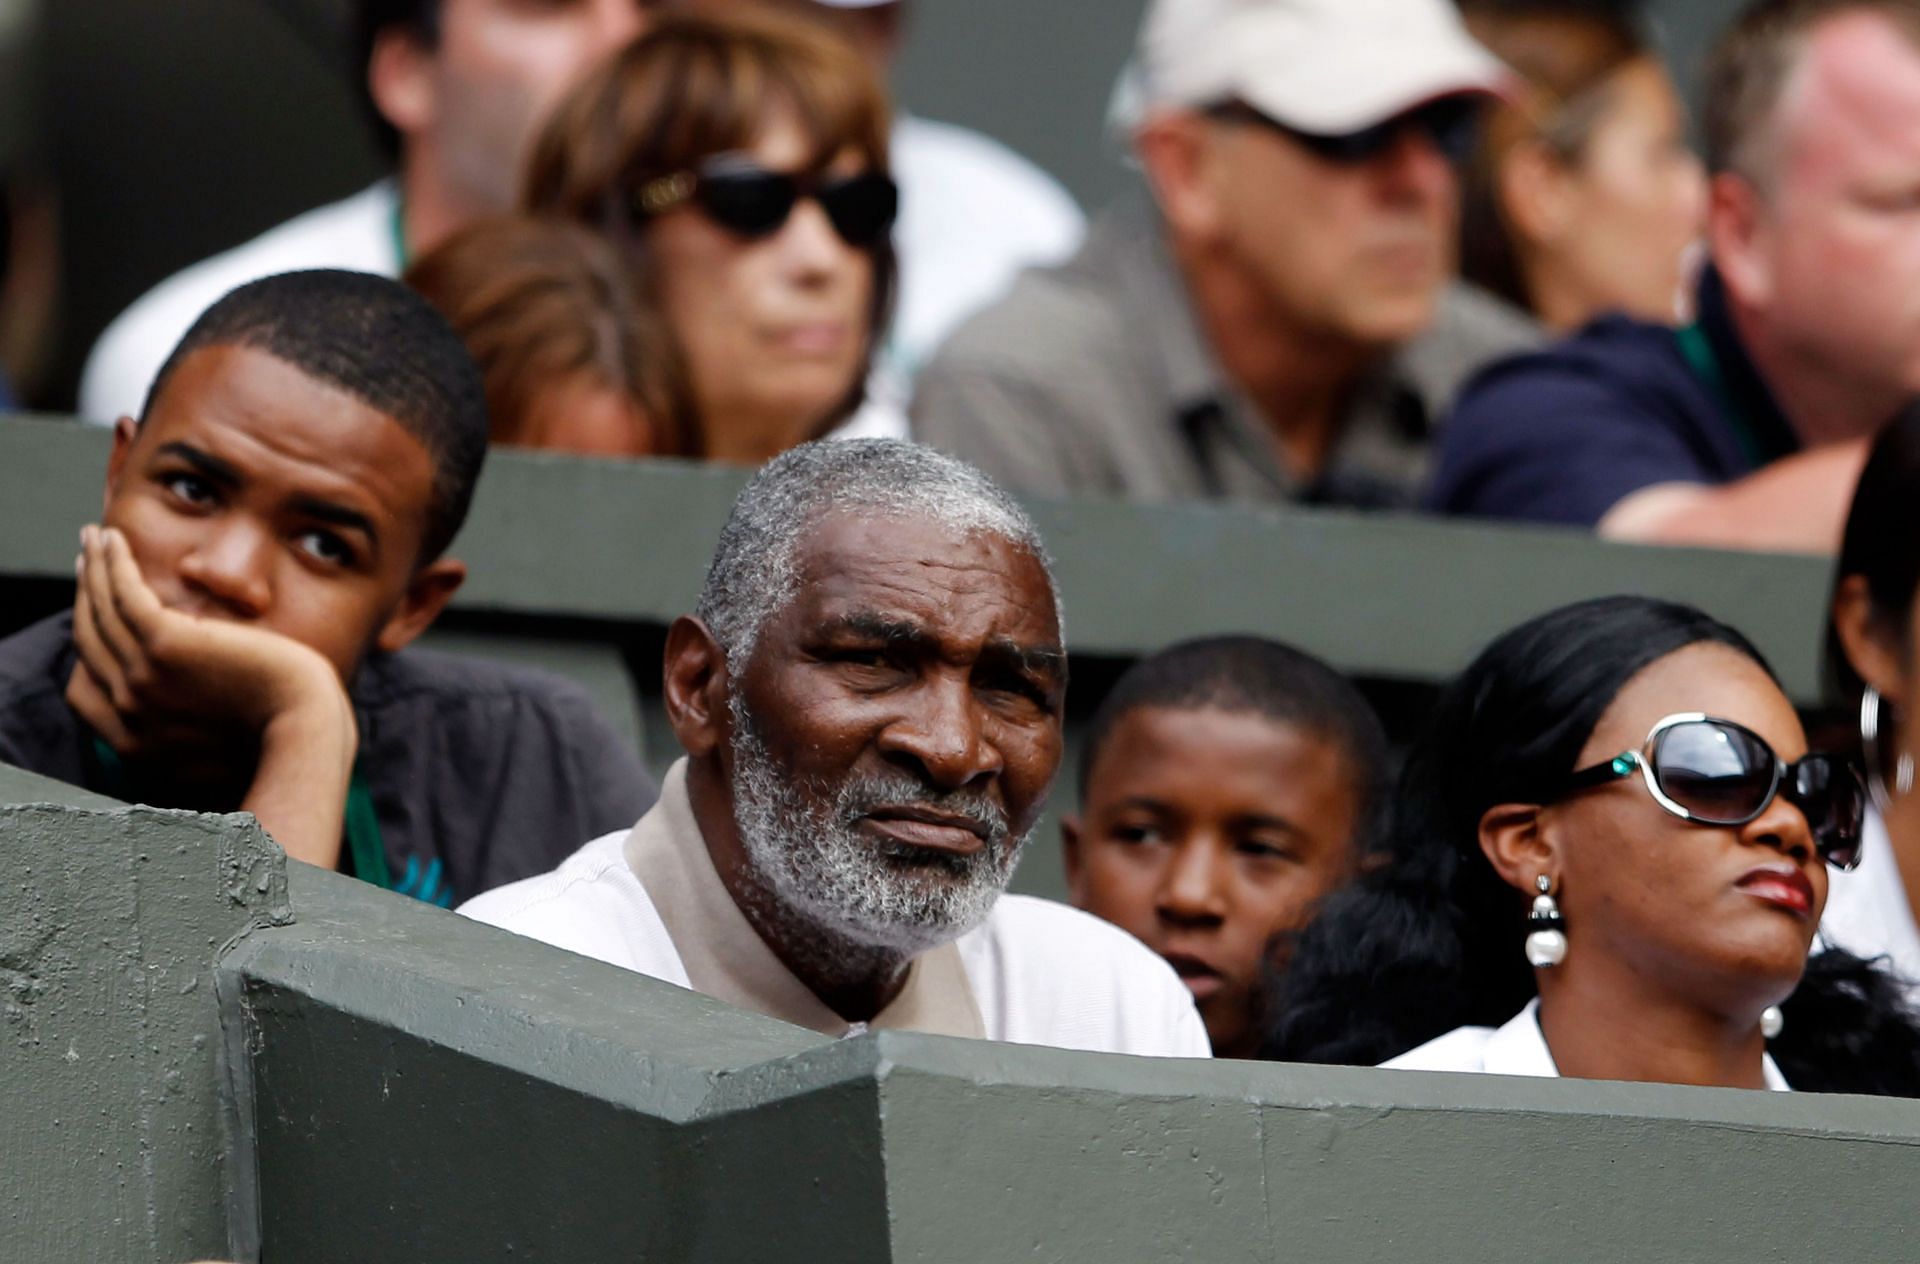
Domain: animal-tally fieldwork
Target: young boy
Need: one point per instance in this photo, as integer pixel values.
(1226, 786)
(271, 541)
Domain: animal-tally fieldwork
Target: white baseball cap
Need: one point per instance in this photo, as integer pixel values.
(1327, 67)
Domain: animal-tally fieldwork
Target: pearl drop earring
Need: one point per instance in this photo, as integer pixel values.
(1771, 1021)
(1546, 929)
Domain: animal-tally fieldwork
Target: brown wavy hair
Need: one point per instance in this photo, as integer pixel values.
(540, 301)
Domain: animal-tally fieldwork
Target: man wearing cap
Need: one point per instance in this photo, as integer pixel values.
(1282, 324)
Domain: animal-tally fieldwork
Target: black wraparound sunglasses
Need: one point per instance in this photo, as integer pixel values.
(1452, 124)
(752, 201)
(1716, 772)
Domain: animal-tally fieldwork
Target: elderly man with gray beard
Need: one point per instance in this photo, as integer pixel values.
(869, 695)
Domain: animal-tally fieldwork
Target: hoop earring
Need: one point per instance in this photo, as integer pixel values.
(1546, 929)
(1871, 708)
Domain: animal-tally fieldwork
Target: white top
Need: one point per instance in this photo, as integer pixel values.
(1518, 1048)
(1867, 912)
(973, 214)
(1037, 972)
(356, 235)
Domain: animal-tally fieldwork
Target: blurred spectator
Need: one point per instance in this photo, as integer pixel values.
(972, 212)
(743, 160)
(1872, 657)
(1590, 878)
(1282, 328)
(870, 696)
(29, 227)
(459, 87)
(273, 540)
(573, 358)
(1747, 428)
(1226, 786)
(1582, 197)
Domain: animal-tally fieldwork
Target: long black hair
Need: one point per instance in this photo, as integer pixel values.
(1431, 940)
(1879, 544)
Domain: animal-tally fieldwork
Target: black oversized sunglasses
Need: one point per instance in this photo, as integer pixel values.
(1451, 123)
(1716, 772)
(751, 201)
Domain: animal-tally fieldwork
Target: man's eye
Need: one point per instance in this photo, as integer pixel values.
(190, 488)
(327, 547)
(1136, 833)
(1264, 849)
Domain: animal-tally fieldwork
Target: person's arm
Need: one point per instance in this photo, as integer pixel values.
(1796, 505)
(154, 680)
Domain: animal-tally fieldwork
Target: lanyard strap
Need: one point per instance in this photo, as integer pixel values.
(397, 224)
(365, 849)
(1697, 349)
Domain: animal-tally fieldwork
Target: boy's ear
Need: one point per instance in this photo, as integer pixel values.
(125, 432)
(1070, 852)
(428, 593)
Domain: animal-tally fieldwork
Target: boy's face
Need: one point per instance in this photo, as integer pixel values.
(1203, 833)
(255, 493)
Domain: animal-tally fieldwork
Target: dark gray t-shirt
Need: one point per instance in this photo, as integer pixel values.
(480, 774)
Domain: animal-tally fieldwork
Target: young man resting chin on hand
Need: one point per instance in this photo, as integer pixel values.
(272, 540)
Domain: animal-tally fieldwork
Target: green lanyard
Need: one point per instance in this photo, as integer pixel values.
(1698, 350)
(398, 225)
(366, 852)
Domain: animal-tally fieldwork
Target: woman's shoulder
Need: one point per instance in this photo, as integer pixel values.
(1462, 1049)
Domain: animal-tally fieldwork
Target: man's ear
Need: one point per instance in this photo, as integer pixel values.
(1738, 231)
(1516, 845)
(428, 593)
(1176, 153)
(1872, 647)
(400, 80)
(125, 432)
(695, 682)
(1070, 852)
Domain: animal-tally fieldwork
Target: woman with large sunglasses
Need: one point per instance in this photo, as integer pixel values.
(742, 160)
(1874, 668)
(1609, 862)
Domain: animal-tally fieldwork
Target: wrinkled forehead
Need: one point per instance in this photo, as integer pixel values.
(964, 578)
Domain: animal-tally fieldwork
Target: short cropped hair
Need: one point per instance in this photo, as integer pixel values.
(379, 342)
(1256, 676)
(1748, 71)
(755, 570)
(697, 86)
(544, 301)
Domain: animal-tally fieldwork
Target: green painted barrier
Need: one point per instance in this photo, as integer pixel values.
(210, 1052)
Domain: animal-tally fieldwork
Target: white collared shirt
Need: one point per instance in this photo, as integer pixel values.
(1517, 1048)
(1867, 912)
(1038, 972)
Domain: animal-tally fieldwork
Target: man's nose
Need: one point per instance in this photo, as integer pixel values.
(943, 737)
(1191, 889)
(1413, 167)
(233, 567)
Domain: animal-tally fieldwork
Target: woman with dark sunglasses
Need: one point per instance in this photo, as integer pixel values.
(742, 160)
(1609, 860)
(1874, 671)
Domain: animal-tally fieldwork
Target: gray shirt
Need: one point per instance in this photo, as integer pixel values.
(480, 774)
(1093, 378)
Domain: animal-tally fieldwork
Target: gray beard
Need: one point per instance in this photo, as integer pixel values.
(821, 873)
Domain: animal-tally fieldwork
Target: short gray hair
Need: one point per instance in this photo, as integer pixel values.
(754, 573)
